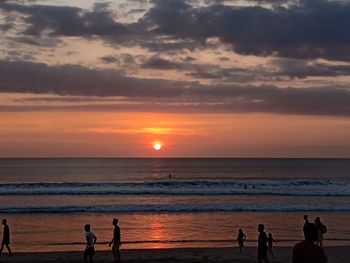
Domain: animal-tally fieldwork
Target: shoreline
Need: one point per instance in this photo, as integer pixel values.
(336, 254)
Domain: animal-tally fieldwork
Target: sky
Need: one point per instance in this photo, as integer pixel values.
(205, 78)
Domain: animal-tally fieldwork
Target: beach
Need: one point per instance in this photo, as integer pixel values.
(171, 220)
(204, 203)
(338, 254)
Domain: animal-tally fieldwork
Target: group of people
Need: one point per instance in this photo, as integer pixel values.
(265, 243)
(91, 239)
(321, 229)
(309, 250)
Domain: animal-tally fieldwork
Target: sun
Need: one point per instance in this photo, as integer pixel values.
(157, 146)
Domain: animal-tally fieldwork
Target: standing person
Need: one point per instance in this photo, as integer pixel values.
(5, 237)
(270, 241)
(116, 241)
(307, 251)
(90, 244)
(306, 220)
(322, 229)
(262, 245)
(240, 239)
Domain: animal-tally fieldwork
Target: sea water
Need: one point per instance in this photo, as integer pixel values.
(172, 202)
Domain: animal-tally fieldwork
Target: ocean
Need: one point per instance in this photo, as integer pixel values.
(171, 202)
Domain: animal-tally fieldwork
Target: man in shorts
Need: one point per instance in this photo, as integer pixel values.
(115, 242)
(262, 245)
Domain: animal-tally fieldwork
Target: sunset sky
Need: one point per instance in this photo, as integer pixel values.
(205, 78)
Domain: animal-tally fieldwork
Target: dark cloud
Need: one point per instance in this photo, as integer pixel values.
(224, 59)
(19, 55)
(160, 63)
(67, 21)
(136, 11)
(278, 68)
(43, 41)
(68, 99)
(210, 72)
(302, 69)
(78, 80)
(310, 29)
(165, 95)
(306, 29)
(109, 59)
(188, 59)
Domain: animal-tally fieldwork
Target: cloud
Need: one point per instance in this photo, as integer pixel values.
(311, 29)
(160, 63)
(109, 59)
(162, 95)
(67, 20)
(274, 69)
(77, 80)
(294, 68)
(304, 29)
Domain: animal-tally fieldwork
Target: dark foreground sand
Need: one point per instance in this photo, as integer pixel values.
(190, 255)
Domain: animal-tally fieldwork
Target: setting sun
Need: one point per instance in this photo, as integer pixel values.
(157, 146)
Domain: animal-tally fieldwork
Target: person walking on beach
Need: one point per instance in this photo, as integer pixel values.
(322, 229)
(116, 241)
(90, 244)
(270, 241)
(5, 237)
(262, 245)
(240, 239)
(307, 251)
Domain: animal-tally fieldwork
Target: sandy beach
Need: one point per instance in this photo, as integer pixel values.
(282, 254)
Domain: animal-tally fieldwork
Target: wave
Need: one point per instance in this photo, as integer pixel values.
(189, 241)
(237, 187)
(179, 208)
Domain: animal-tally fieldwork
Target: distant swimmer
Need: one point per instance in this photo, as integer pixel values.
(5, 237)
(245, 186)
(169, 176)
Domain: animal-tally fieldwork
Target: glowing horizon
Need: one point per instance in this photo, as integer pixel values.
(109, 79)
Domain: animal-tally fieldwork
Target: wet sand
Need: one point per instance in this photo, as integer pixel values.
(337, 254)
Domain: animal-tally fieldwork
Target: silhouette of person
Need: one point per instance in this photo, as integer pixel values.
(321, 230)
(307, 251)
(306, 221)
(90, 244)
(270, 241)
(240, 239)
(262, 244)
(116, 241)
(5, 237)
